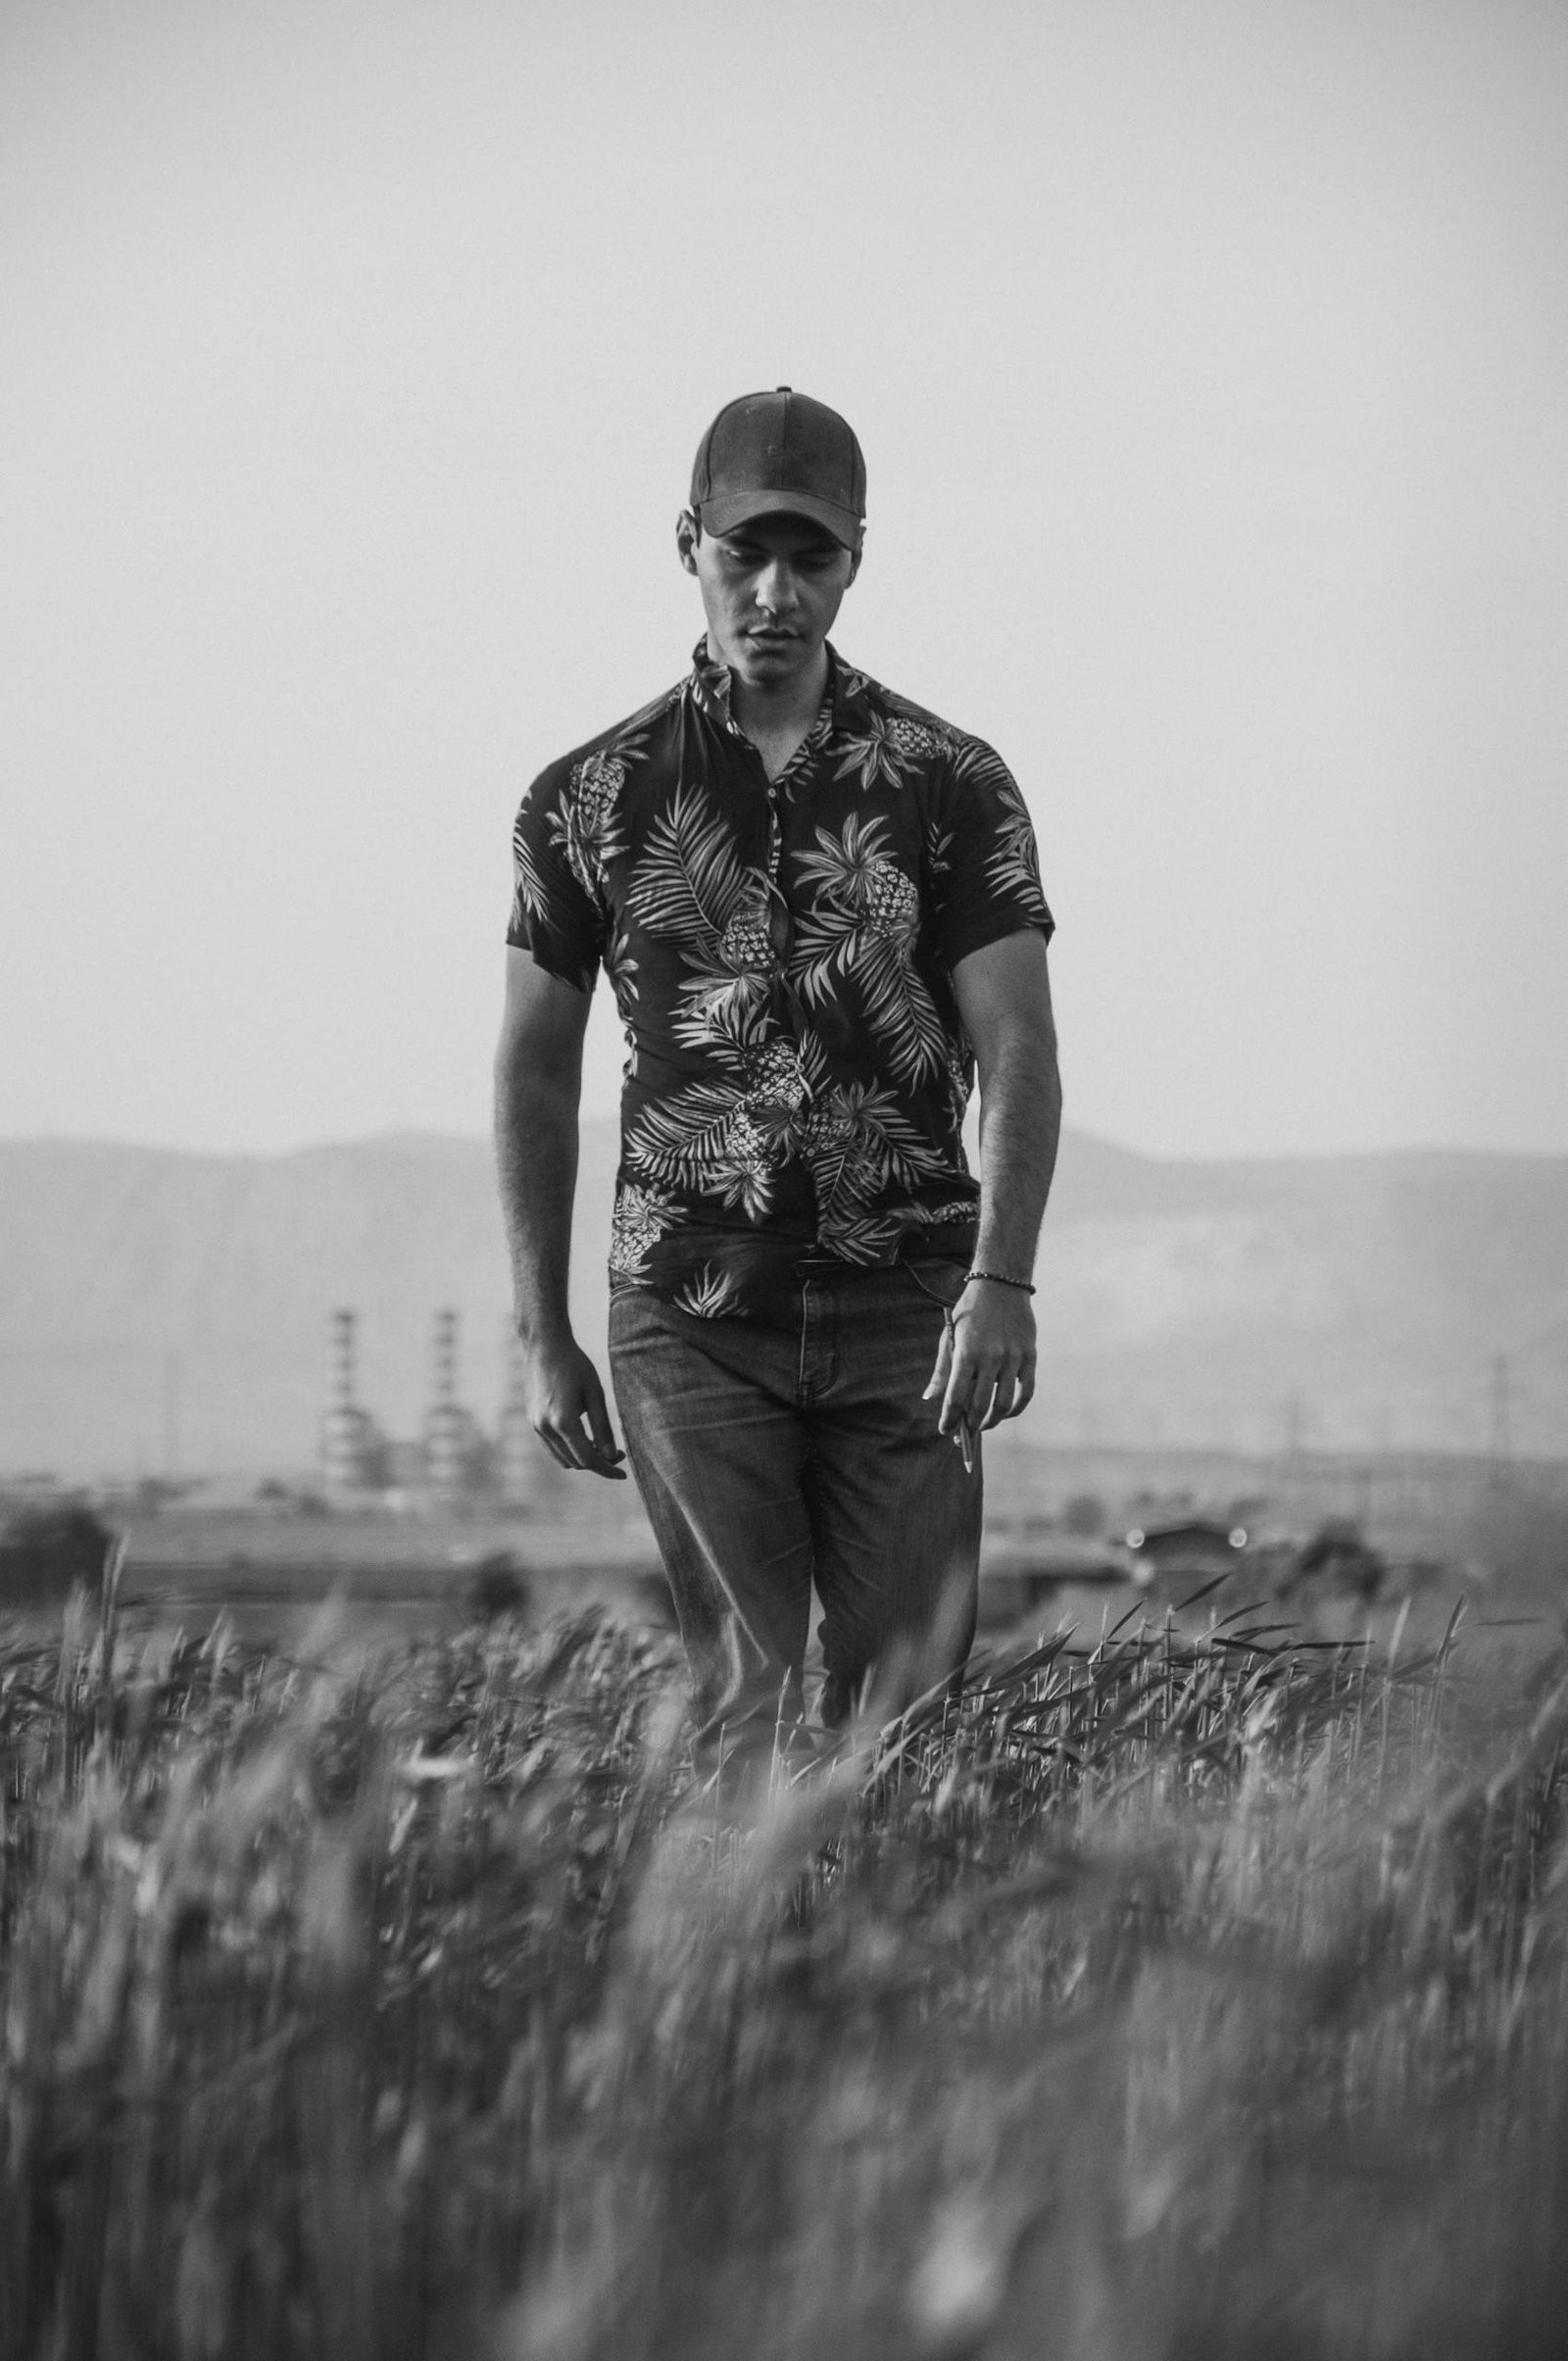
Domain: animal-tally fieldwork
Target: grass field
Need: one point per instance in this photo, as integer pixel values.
(1167, 1995)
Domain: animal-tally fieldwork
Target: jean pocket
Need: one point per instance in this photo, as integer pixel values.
(634, 1315)
(938, 1277)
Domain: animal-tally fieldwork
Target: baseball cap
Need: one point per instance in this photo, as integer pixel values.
(780, 454)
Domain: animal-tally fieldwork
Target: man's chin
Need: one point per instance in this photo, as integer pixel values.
(771, 660)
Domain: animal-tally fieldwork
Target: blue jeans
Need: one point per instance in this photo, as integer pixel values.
(770, 1457)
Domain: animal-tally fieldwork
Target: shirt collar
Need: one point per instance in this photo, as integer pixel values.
(712, 684)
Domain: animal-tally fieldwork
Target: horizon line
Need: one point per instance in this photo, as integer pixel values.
(415, 1134)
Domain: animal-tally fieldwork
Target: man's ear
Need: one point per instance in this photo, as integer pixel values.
(688, 532)
(856, 555)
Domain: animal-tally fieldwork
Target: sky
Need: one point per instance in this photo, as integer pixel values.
(1209, 357)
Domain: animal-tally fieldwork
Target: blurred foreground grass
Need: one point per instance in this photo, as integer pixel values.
(1163, 1997)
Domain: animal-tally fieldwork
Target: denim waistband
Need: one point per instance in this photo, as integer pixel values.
(834, 1266)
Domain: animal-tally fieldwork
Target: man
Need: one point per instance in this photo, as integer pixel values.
(820, 907)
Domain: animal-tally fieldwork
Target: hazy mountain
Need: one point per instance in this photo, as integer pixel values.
(151, 1300)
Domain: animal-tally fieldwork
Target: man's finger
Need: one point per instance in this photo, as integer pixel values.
(585, 1453)
(562, 1435)
(1026, 1388)
(1002, 1400)
(979, 1414)
(600, 1431)
(938, 1378)
(963, 1379)
(573, 1442)
(595, 1461)
(593, 1464)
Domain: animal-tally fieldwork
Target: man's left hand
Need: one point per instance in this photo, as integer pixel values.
(985, 1366)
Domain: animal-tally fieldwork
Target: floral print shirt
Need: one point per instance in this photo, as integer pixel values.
(782, 955)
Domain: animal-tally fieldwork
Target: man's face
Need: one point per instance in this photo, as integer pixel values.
(770, 591)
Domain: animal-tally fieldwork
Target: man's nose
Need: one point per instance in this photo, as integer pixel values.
(776, 588)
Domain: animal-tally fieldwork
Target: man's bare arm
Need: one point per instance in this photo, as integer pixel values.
(985, 1370)
(538, 1085)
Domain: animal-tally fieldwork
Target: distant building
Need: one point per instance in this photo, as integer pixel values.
(458, 1457)
(354, 1453)
(452, 1461)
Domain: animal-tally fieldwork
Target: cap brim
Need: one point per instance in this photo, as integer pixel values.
(723, 515)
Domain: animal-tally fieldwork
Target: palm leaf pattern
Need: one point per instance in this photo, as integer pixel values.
(689, 883)
(901, 1009)
(1012, 869)
(893, 747)
(621, 966)
(716, 1140)
(860, 1145)
(875, 758)
(867, 925)
(529, 895)
(715, 1005)
(848, 862)
(691, 886)
(711, 1294)
(728, 1136)
(680, 1141)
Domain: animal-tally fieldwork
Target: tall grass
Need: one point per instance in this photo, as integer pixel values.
(1155, 1997)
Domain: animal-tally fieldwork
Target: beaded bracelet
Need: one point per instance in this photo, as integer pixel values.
(999, 1278)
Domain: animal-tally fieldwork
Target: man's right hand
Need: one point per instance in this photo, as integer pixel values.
(566, 1408)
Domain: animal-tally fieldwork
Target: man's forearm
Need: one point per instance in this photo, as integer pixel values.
(536, 1159)
(1020, 1125)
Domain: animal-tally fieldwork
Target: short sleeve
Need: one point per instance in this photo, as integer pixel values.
(557, 911)
(986, 870)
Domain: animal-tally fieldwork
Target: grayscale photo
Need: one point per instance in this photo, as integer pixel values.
(784, 1181)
